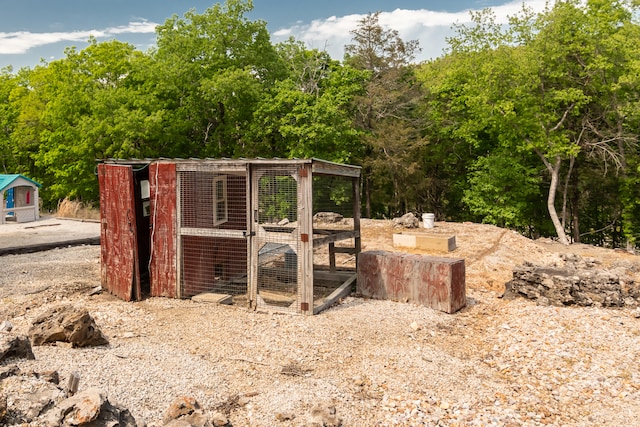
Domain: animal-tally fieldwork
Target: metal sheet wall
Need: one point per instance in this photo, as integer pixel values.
(162, 263)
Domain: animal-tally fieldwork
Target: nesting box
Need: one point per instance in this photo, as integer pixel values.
(276, 234)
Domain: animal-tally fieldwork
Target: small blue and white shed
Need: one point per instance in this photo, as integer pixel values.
(19, 196)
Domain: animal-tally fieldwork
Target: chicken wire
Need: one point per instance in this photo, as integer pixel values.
(242, 242)
(333, 214)
(278, 270)
(213, 250)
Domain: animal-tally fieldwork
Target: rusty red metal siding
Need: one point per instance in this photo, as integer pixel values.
(119, 269)
(163, 270)
(438, 283)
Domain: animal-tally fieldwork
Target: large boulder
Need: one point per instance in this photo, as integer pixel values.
(36, 399)
(68, 324)
(27, 395)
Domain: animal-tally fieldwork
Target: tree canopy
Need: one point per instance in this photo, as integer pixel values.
(531, 125)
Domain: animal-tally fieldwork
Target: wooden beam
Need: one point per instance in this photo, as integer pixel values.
(332, 256)
(343, 235)
(356, 216)
(212, 232)
(323, 167)
(337, 276)
(341, 292)
(344, 250)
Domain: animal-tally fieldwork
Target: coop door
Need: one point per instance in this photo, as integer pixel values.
(276, 276)
(120, 271)
(212, 233)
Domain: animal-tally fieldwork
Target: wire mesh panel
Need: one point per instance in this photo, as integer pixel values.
(212, 234)
(276, 210)
(334, 254)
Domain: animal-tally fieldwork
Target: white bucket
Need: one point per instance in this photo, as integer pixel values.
(428, 219)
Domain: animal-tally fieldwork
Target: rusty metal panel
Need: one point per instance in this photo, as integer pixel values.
(120, 273)
(163, 269)
(435, 282)
(369, 282)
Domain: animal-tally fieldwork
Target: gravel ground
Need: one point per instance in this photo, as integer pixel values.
(379, 363)
(47, 230)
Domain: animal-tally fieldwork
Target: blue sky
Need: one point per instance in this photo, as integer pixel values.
(35, 29)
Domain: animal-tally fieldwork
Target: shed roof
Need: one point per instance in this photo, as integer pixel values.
(7, 179)
(319, 166)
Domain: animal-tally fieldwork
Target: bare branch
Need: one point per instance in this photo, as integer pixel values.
(564, 117)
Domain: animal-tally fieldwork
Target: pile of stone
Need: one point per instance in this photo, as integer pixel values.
(577, 281)
(38, 399)
(327, 217)
(407, 220)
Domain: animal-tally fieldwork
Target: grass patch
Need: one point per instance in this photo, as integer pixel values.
(76, 209)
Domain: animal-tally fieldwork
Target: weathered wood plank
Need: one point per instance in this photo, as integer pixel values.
(343, 235)
(341, 292)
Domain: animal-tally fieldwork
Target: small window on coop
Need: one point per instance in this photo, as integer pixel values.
(220, 215)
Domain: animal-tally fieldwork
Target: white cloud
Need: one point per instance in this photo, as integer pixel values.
(140, 27)
(21, 41)
(429, 27)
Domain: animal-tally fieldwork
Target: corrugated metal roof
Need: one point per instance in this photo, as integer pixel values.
(320, 165)
(7, 179)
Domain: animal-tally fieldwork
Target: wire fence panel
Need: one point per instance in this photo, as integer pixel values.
(334, 256)
(213, 242)
(277, 237)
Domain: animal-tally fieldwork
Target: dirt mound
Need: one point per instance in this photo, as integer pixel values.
(490, 252)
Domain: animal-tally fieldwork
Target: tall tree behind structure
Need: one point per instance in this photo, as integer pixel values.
(387, 114)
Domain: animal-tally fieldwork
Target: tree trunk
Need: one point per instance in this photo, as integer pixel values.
(554, 170)
(565, 192)
(367, 197)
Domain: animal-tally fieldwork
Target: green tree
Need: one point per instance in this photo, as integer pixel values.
(388, 115)
(56, 128)
(547, 85)
(309, 114)
(8, 117)
(210, 70)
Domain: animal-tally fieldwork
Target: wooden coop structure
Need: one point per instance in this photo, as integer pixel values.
(20, 199)
(279, 235)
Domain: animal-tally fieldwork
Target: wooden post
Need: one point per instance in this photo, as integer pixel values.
(332, 257)
(305, 223)
(356, 217)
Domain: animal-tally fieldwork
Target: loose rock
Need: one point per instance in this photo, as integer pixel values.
(324, 415)
(577, 282)
(186, 411)
(67, 324)
(408, 220)
(15, 346)
(89, 407)
(6, 326)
